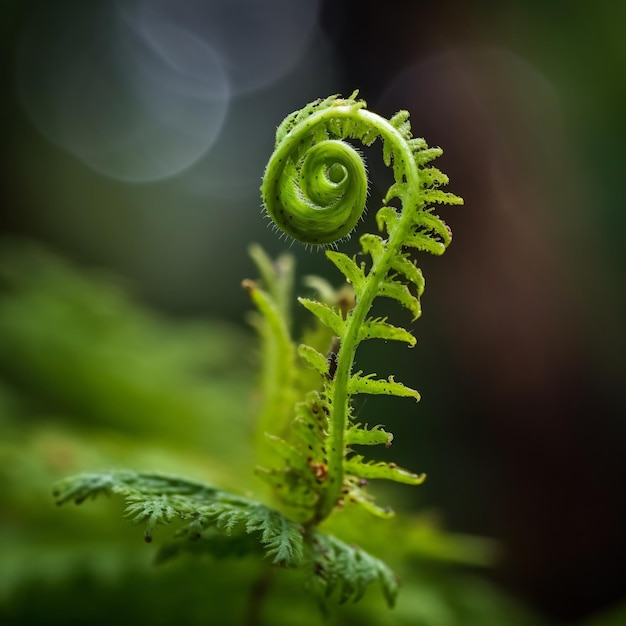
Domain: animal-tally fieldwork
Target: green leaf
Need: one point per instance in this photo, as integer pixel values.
(311, 424)
(397, 190)
(297, 116)
(430, 234)
(281, 538)
(387, 218)
(277, 278)
(278, 372)
(158, 499)
(299, 482)
(380, 329)
(396, 290)
(424, 154)
(428, 221)
(359, 497)
(267, 307)
(344, 572)
(388, 471)
(432, 177)
(426, 243)
(400, 121)
(354, 274)
(370, 136)
(418, 144)
(291, 455)
(291, 490)
(436, 196)
(387, 151)
(314, 358)
(373, 245)
(361, 435)
(402, 264)
(378, 386)
(327, 315)
(153, 510)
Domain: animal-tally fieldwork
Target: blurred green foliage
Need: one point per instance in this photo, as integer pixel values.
(91, 380)
(58, 416)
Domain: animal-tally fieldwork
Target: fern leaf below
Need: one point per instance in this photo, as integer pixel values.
(158, 499)
(344, 572)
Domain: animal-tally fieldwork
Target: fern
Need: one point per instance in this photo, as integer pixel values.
(314, 189)
(318, 205)
(220, 524)
(157, 500)
(345, 572)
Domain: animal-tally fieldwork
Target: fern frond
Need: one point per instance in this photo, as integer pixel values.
(313, 190)
(344, 572)
(277, 279)
(277, 535)
(278, 352)
(153, 510)
(158, 499)
(301, 477)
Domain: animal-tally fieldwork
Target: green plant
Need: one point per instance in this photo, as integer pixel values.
(314, 188)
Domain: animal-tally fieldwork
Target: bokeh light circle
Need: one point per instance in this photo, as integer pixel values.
(134, 104)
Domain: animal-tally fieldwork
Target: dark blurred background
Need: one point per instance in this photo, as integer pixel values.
(134, 135)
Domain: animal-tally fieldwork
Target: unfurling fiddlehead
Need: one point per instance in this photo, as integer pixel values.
(314, 189)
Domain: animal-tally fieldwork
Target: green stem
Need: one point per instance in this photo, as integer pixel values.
(258, 595)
